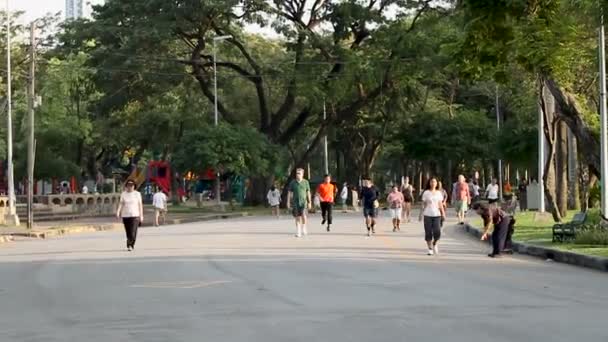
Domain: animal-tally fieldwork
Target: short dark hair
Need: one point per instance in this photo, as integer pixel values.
(326, 175)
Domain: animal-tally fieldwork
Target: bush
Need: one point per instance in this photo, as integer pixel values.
(592, 234)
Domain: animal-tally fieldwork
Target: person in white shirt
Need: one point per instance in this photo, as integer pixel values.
(85, 190)
(159, 201)
(344, 196)
(492, 191)
(131, 210)
(274, 200)
(433, 212)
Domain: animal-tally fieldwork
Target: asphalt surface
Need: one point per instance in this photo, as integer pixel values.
(250, 279)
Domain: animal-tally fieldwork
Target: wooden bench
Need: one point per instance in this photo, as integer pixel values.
(567, 231)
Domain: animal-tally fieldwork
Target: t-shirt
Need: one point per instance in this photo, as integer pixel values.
(299, 192)
(407, 192)
(432, 202)
(492, 191)
(326, 192)
(462, 191)
(344, 193)
(159, 200)
(395, 200)
(274, 197)
(368, 196)
(130, 203)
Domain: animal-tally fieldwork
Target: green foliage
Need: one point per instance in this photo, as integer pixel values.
(239, 150)
(592, 234)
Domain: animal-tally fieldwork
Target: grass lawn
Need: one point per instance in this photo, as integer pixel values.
(537, 231)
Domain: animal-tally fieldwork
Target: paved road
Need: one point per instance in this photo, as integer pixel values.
(251, 280)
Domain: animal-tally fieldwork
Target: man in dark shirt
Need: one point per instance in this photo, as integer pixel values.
(369, 198)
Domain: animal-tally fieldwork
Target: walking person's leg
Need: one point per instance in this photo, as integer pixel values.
(373, 220)
(304, 219)
(398, 215)
(156, 216)
(436, 225)
(428, 234)
(324, 212)
(330, 216)
(297, 217)
(126, 222)
(134, 232)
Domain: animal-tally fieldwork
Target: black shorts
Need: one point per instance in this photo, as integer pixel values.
(370, 212)
(492, 201)
(408, 199)
(298, 211)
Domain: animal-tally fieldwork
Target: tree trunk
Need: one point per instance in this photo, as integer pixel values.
(258, 187)
(550, 128)
(574, 199)
(561, 167)
(572, 113)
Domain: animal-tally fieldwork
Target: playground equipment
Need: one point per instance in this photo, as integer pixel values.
(156, 172)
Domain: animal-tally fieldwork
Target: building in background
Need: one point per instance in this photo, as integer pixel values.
(74, 9)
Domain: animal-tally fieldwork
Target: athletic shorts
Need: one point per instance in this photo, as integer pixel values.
(492, 200)
(370, 212)
(161, 212)
(299, 211)
(396, 213)
(461, 206)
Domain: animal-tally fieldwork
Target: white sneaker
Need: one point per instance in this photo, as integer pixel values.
(305, 232)
(298, 235)
(430, 252)
(436, 249)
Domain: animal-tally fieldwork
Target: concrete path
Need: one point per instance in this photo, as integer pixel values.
(249, 279)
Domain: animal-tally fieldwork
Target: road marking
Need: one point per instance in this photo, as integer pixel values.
(181, 284)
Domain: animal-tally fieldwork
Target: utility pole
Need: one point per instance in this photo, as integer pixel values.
(30, 123)
(603, 121)
(12, 217)
(326, 160)
(499, 160)
(218, 191)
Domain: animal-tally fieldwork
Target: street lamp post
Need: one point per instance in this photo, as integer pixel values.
(12, 213)
(603, 121)
(216, 115)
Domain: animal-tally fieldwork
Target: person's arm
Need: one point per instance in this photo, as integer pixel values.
(289, 196)
(422, 207)
(487, 224)
(468, 196)
(308, 198)
(141, 208)
(119, 207)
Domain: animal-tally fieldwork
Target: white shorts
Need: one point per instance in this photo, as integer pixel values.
(396, 213)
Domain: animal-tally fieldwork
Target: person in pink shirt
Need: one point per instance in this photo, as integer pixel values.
(395, 202)
(461, 198)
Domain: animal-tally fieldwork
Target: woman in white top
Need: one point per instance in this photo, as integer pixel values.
(492, 191)
(433, 211)
(131, 210)
(274, 200)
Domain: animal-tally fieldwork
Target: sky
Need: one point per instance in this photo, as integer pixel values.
(38, 8)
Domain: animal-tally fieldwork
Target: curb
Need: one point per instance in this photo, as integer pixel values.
(59, 231)
(597, 263)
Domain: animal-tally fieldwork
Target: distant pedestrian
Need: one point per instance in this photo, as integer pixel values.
(523, 194)
(445, 195)
(159, 202)
(461, 198)
(344, 196)
(432, 211)
(408, 196)
(492, 191)
(274, 200)
(131, 210)
(503, 228)
(355, 196)
(369, 197)
(396, 202)
(327, 192)
(85, 190)
(299, 201)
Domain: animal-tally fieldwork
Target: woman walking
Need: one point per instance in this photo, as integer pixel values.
(503, 227)
(433, 212)
(274, 200)
(396, 201)
(408, 195)
(131, 210)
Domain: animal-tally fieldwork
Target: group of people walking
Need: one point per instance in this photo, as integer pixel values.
(399, 201)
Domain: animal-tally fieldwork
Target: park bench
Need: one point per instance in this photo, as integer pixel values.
(567, 231)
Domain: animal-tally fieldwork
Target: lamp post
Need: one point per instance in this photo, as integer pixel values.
(603, 121)
(216, 115)
(12, 214)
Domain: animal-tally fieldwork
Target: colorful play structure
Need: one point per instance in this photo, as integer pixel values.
(156, 173)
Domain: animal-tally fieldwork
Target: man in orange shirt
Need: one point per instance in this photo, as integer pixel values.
(327, 192)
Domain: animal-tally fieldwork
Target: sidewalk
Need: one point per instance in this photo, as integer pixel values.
(48, 229)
